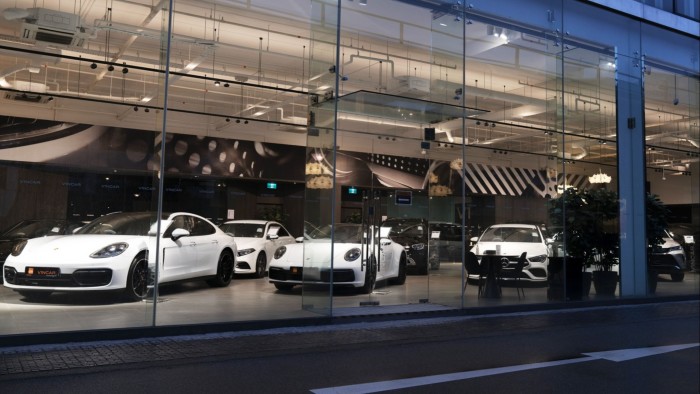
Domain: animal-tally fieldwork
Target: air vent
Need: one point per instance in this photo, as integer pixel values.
(28, 97)
(54, 27)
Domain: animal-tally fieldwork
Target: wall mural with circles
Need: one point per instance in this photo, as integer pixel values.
(101, 148)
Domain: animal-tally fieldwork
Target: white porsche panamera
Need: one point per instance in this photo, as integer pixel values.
(357, 261)
(257, 241)
(117, 252)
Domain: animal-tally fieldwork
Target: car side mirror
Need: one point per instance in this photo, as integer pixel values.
(272, 236)
(473, 239)
(299, 239)
(179, 233)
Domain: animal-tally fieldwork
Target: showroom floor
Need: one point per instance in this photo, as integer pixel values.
(249, 299)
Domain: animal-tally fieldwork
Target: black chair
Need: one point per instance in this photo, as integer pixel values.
(516, 274)
(472, 266)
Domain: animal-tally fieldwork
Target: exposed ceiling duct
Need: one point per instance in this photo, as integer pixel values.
(49, 26)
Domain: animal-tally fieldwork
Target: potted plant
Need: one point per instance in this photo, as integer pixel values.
(590, 229)
(589, 232)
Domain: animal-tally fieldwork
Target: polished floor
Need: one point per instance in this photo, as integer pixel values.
(250, 299)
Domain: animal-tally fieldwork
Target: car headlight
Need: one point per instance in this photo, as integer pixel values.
(280, 252)
(112, 250)
(352, 254)
(18, 247)
(244, 252)
(538, 259)
(420, 246)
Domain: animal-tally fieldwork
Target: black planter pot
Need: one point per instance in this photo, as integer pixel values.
(605, 282)
(574, 286)
(587, 280)
(652, 281)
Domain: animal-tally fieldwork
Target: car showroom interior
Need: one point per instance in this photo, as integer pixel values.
(257, 161)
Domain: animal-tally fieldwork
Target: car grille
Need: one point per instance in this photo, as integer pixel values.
(282, 274)
(339, 275)
(79, 278)
(513, 260)
(660, 261)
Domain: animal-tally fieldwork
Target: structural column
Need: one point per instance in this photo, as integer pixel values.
(631, 173)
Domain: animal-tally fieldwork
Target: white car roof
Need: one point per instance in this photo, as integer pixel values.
(248, 221)
(514, 225)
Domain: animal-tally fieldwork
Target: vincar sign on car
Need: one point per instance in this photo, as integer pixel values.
(117, 252)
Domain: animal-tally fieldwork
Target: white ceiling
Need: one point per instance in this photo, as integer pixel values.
(272, 57)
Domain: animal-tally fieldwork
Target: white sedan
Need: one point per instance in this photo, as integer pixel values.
(357, 261)
(117, 252)
(257, 241)
(509, 241)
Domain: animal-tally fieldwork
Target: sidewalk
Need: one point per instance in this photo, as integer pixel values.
(18, 362)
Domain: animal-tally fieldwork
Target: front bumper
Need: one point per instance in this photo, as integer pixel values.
(301, 275)
(245, 264)
(667, 263)
(78, 279)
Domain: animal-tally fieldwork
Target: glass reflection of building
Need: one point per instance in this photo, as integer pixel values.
(452, 116)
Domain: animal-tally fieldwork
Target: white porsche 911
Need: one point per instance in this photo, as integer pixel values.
(358, 260)
(257, 241)
(117, 252)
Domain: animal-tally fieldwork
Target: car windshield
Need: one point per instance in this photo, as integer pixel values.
(403, 227)
(121, 224)
(33, 229)
(344, 233)
(510, 234)
(244, 230)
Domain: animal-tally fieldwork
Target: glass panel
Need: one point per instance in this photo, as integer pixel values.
(380, 170)
(77, 143)
(514, 158)
(672, 146)
(689, 8)
(320, 210)
(445, 217)
(233, 155)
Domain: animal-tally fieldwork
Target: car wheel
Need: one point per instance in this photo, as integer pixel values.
(370, 276)
(424, 268)
(224, 270)
(401, 278)
(137, 280)
(283, 286)
(35, 295)
(260, 265)
(677, 277)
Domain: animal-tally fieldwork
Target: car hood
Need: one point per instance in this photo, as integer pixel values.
(248, 242)
(73, 245)
(511, 248)
(669, 243)
(316, 252)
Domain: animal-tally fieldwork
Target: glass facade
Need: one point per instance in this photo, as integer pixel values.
(193, 162)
